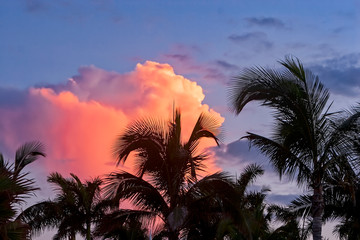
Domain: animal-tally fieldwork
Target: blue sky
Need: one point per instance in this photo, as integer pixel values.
(44, 43)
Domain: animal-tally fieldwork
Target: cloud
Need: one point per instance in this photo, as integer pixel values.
(187, 65)
(35, 6)
(282, 199)
(239, 154)
(214, 71)
(258, 40)
(340, 74)
(265, 22)
(179, 57)
(79, 120)
(235, 156)
(226, 65)
(10, 98)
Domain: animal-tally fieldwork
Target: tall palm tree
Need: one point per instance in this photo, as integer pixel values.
(341, 197)
(306, 143)
(167, 168)
(14, 187)
(76, 207)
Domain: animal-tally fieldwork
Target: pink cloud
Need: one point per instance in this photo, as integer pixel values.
(80, 120)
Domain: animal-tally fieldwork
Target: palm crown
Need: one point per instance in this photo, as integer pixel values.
(171, 167)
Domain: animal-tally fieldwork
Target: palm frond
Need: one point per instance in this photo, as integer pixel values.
(123, 185)
(248, 176)
(41, 216)
(284, 161)
(26, 154)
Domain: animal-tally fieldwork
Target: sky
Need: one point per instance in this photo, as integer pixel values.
(73, 74)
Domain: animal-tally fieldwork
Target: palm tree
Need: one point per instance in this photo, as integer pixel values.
(306, 143)
(341, 197)
(170, 167)
(243, 212)
(76, 207)
(294, 226)
(14, 187)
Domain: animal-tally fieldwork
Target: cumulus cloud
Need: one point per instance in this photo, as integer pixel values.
(80, 119)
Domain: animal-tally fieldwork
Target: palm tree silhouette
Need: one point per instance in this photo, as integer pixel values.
(166, 180)
(306, 143)
(14, 187)
(76, 207)
(341, 197)
(243, 213)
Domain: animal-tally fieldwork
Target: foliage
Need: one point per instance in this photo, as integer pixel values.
(76, 206)
(15, 187)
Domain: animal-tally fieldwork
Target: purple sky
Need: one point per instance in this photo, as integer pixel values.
(56, 54)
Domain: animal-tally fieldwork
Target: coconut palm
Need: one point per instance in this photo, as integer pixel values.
(244, 215)
(75, 208)
(14, 187)
(341, 197)
(306, 143)
(294, 226)
(167, 169)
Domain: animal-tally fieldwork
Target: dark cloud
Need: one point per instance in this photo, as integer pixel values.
(246, 37)
(339, 30)
(239, 153)
(343, 82)
(265, 22)
(235, 156)
(345, 61)
(281, 199)
(10, 98)
(180, 57)
(257, 39)
(226, 65)
(341, 75)
(35, 5)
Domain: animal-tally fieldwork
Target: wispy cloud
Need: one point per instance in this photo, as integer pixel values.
(226, 65)
(179, 57)
(183, 58)
(265, 22)
(35, 6)
(257, 40)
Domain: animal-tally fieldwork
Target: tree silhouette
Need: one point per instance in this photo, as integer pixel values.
(166, 182)
(306, 143)
(15, 187)
(243, 211)
(76, 207)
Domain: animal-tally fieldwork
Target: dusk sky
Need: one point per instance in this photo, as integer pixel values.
(73, 74)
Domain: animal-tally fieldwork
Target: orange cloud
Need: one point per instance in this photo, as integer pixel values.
(80, 120)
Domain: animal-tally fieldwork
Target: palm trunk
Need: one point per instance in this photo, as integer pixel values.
(88, 230)
(317, 211)
(173, 235)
